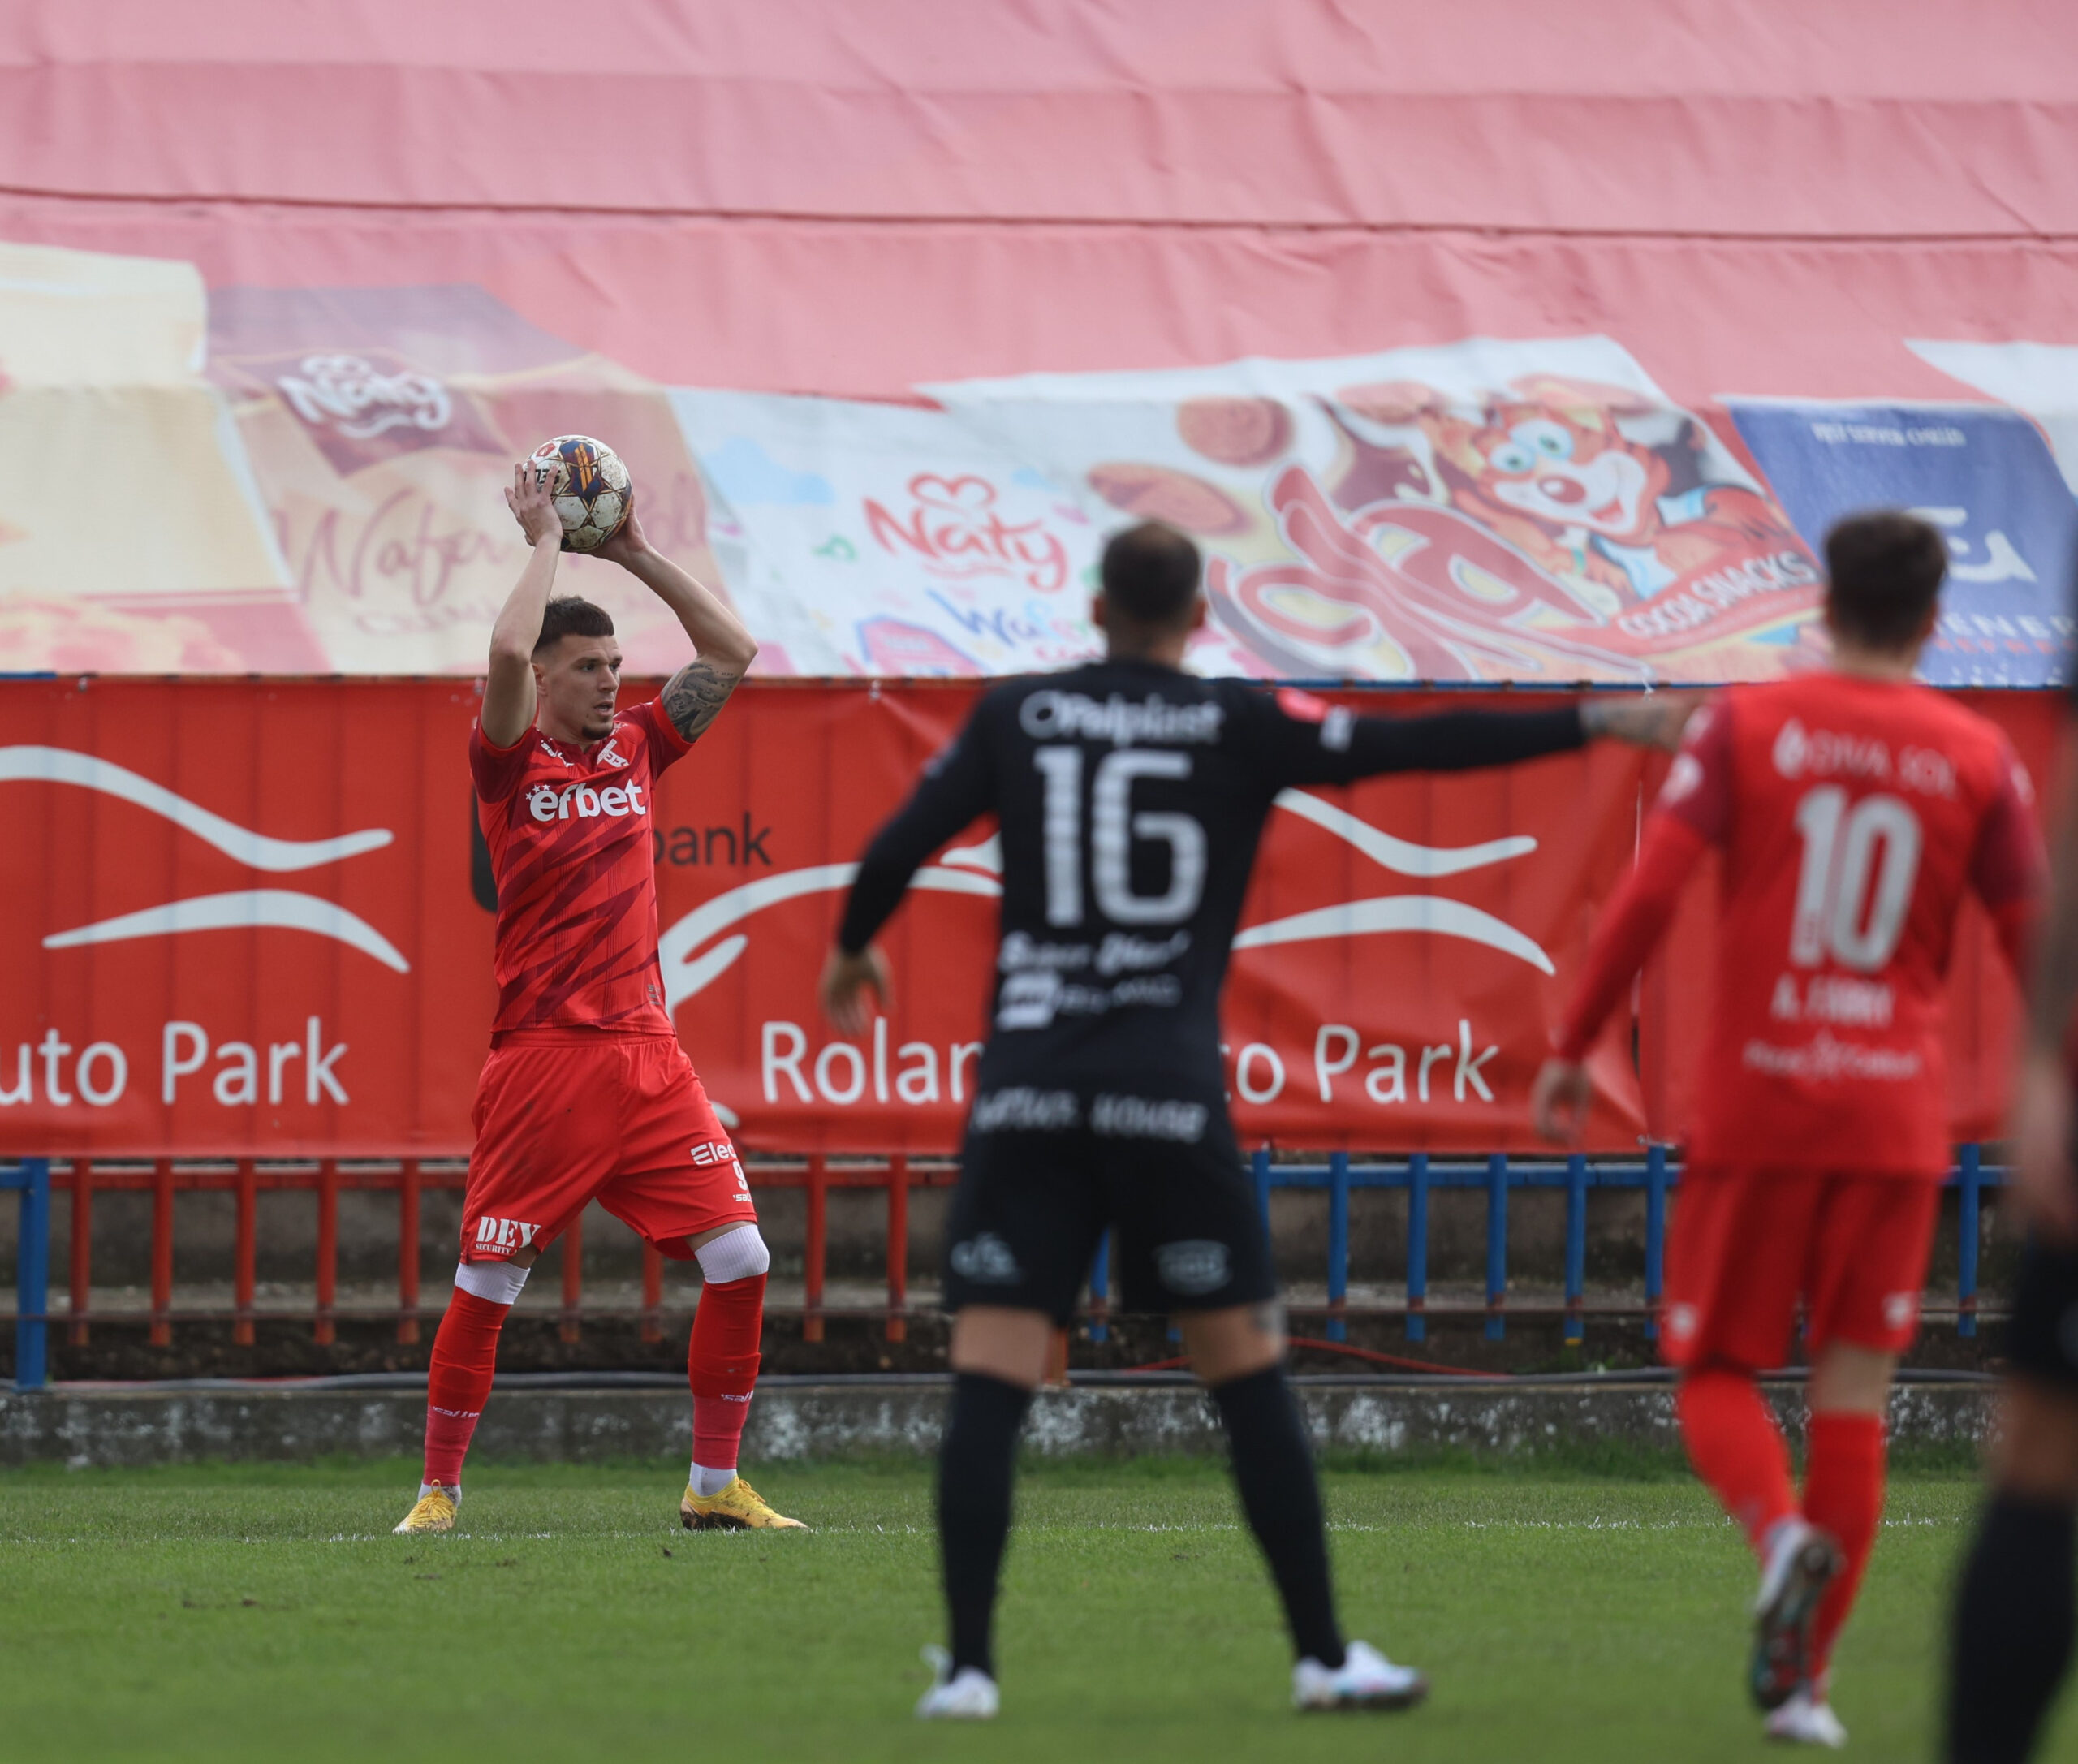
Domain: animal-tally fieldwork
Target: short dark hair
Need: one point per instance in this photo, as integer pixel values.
(1884, 571)
(1150, 574)
(568, 616)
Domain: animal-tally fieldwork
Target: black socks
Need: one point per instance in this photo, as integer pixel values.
(2012, 1631)
(1273, 1474)
(976, 1464)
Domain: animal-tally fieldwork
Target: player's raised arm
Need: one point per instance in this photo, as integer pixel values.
(1687, 819)
(723, 649)
(508, 711)
(956, 790)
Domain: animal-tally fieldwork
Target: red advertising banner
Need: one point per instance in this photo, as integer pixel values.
(255, 917)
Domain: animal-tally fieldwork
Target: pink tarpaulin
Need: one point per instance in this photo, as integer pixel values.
(1774, 201)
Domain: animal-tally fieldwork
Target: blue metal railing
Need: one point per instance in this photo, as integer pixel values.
(31, 1177)
(1497, 1175)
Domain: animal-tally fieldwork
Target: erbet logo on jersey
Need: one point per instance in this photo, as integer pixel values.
(545, 803)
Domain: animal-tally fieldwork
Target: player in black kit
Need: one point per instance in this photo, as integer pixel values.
(2014, 1610)
(1130, 796)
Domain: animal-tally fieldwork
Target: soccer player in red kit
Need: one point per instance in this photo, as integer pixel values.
(587, 1094)
(1853, 810)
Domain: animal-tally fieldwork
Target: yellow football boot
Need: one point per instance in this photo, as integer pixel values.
(738, 1507)
(435, 1511)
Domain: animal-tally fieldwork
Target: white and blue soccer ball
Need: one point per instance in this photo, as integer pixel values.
(591, 487)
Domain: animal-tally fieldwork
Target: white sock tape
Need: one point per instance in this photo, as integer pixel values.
(496, 1283)
(736, 1255)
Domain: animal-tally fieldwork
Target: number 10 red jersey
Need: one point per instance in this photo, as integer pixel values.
(1853, 815)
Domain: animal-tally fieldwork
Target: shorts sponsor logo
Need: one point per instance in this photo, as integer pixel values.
(505, 1234)
(1144, 1118)
(985, 1259)
(1192, 1268)
(1022, 1109)
(710, 1153)
(1900, 1310)
(545, 803)
(1682, 1321)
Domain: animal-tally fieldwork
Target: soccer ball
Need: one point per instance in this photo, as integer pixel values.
(592, 489)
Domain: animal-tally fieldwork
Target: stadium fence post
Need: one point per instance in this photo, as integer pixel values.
(1969, 1178)
(898, 1248)
(1655, 1236)
(652, 1293)
(407, 1250)
(1338, 1246)
(1576, 1247)
(244, 1233)
(324, 1331)
(162, 1332)
(569, 1328)
(1417, 1247)
(1259, 1167)
(815, 1248)
(82, 1250)
(32, 1277)
(1496, 1246)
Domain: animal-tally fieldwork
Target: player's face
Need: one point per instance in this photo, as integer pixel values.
(578, 684)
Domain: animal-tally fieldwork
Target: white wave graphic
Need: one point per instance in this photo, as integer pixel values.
(1431, 913)
(279, 907)
(61, 765)
(686, 973)
(1399, 856)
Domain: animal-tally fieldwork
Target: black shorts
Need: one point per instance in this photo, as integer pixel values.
(2042, 1341)
(1033, 1200)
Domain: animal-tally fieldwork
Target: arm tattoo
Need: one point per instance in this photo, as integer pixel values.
(694, 697)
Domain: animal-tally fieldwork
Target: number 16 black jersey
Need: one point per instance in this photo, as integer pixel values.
(1131, 798)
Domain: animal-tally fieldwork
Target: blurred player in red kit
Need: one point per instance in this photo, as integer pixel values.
(587, 1094)
(1853, 808)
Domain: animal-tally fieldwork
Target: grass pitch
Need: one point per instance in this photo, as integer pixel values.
(265, 1613)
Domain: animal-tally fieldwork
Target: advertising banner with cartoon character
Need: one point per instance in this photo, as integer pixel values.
(1488, 511)
(255, 922)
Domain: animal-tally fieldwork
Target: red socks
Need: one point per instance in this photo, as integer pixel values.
(464, 1356)
(721, 1366)
(1843, 1495)
(1736, 1448)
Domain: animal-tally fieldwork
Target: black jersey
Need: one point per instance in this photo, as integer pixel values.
(1131, 798)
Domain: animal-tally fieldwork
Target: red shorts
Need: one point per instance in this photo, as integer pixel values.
(1746, 1244)
(562, 1119)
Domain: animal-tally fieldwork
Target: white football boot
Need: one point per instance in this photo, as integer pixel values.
(1803, 1562)
(1807, 1718)
(969, 1694)
(1365, 1679)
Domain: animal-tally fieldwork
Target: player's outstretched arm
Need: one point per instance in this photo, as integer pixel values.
(1630, 930)
(508, 711)
(1314, 744)
(723, 647)
(2042, 1118)
(958, 788)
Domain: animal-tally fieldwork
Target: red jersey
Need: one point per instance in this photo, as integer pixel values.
(1851, 814)
(569, 833)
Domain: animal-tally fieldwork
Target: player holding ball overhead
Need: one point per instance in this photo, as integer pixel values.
(587, 1094)
(1854, 808)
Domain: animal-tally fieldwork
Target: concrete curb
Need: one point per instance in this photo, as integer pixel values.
(808, 1420)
